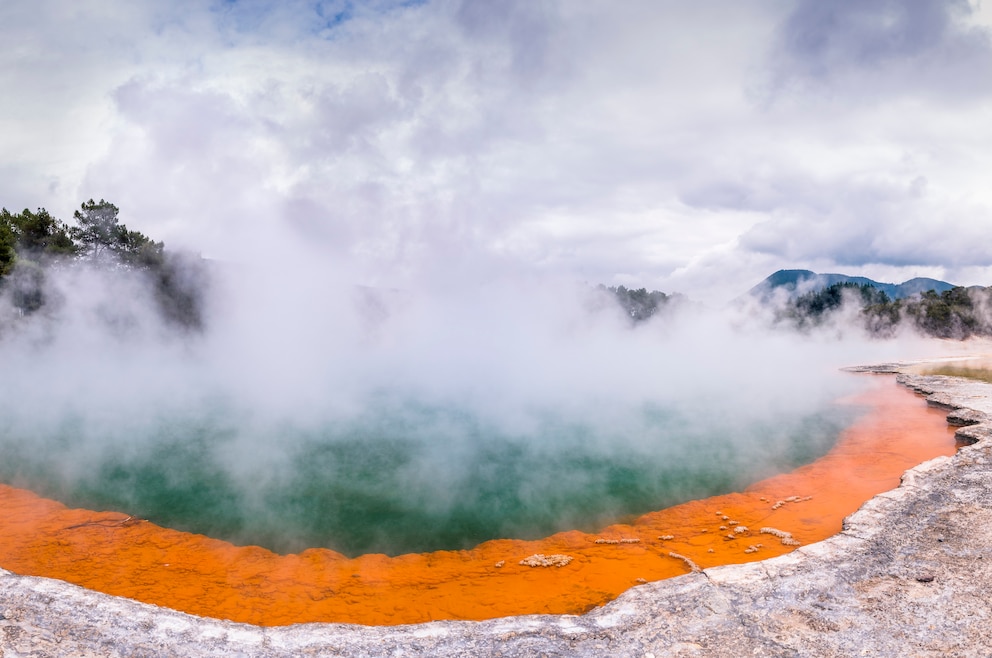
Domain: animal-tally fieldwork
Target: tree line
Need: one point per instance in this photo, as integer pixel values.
(958, 313)
(639, 304)
(33, 243)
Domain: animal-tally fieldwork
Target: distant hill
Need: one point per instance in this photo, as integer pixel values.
(797, 282)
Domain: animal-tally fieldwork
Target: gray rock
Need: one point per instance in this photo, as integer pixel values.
(964, 417)
(909, 575)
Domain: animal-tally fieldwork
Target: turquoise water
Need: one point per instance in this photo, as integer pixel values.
(402, 477)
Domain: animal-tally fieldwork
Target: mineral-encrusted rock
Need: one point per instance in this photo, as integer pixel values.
(965, 417)
(909, 575)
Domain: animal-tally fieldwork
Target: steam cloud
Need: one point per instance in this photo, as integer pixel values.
(452, 411)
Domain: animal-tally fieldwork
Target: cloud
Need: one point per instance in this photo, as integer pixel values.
(632, 144)
(881, 47)
(470, 162)
(871, 220)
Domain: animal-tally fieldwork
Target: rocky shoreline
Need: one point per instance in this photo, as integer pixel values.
(909, 575)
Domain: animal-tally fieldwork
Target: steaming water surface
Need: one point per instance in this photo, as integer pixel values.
(405, 476)
(308, 415)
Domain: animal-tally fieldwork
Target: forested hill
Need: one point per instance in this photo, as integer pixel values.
(36, 247)
(35, 244)
(796, 282)
(956, 312)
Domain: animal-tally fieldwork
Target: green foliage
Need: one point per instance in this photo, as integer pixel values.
(957, 313)
(639, 305)
(816, 304)
(97, 227)
(32, 241)
(8, 243)
(814, 308)
(882, 319)
(39, 234)
(100, 234)
(29, 241)
(35, 235)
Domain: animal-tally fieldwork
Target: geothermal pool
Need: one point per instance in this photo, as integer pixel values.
(619, 543)
(408, 478)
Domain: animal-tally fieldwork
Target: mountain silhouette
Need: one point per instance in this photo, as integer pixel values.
(798, 282)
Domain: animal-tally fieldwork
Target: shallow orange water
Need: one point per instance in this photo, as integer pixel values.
(112, 553)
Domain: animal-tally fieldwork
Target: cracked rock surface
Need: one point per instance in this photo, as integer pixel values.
(910, 575)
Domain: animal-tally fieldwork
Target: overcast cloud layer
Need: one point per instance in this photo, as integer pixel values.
(691, 147)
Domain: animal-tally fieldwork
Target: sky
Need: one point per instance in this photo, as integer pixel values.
(685, 147)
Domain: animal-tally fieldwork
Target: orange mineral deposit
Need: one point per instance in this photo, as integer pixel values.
(569, 572)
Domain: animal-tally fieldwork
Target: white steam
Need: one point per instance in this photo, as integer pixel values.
(297, 354)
